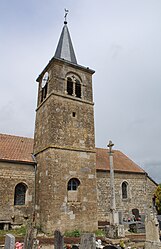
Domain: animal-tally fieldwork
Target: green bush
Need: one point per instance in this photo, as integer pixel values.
(100, 233)
(75, 233)
(158, 198)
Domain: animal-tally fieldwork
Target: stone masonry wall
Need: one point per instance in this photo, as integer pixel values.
(140, 192)
(11, 175)
(57, 207)
(56, 125)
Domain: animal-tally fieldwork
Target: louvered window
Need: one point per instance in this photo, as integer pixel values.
(78, 89)
(69, 86)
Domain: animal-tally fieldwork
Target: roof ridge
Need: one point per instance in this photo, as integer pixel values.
(18, 136)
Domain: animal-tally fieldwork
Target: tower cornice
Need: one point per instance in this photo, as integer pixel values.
(65, 96)
(52, 146)
(85, 69)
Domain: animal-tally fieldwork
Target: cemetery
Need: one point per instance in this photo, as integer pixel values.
(109, 237)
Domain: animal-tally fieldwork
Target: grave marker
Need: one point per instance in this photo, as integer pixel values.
(88, 240)
(58, 240)
(9, 241)
(152, 231)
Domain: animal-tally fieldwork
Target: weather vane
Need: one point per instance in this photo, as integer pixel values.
(65, 16)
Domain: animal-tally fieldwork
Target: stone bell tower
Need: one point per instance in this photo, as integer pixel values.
(64, 146)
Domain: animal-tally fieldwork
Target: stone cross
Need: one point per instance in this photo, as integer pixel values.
(9, 241)
(112, 184)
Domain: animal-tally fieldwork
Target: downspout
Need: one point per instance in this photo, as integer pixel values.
(146, 194)
(34, 202)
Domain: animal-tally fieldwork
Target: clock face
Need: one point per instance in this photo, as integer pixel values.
(44, 79)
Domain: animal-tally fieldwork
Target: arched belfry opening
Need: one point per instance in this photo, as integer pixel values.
(74, 86)
(69, 86)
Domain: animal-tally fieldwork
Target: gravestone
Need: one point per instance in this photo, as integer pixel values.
(58, 240)
(115, 231)
(88, 240)
(135, 212)
(111, 231)
(9, 241)
(152, 231)
(152, 227)
(30, 237)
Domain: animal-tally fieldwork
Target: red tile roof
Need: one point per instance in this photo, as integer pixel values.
(16, 148)
(120, 161)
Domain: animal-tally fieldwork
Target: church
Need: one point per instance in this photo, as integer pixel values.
(59, 179)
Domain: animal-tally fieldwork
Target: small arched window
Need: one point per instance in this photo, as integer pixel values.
(20, 194)
(69, 86)
(124, 190)
(73, 184)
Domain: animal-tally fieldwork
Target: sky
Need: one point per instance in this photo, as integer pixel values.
(119, 39)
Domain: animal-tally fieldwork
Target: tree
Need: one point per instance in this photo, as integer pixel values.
(157, 195)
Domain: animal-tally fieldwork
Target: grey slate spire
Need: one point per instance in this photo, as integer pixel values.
(65, 49)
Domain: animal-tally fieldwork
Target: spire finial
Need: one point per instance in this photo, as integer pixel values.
(65, 16)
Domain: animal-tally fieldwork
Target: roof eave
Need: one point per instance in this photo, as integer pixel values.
(17, 161)
(122, 171)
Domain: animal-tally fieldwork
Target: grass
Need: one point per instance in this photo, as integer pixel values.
(100, 233)
(21, 232)
(16, 232)
(77, 233)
